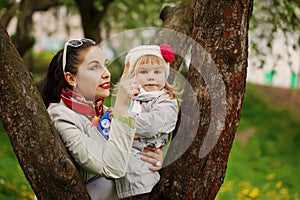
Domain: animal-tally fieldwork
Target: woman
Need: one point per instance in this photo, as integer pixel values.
(74, 90)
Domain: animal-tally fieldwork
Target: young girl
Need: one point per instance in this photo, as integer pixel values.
(155, 111)
(74, 89)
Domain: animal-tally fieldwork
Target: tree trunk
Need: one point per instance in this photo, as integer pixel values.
(35, 141)
(180, 19)
(221, 28)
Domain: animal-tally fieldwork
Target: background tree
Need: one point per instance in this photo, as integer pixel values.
(269, 19)
(275, 21)
(23, 39)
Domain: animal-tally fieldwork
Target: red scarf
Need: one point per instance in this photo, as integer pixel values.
(92, 109)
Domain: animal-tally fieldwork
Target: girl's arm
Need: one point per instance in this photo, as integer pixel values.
(162, 118)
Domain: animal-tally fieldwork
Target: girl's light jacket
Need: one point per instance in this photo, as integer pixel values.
(157, 119)
(94, 155)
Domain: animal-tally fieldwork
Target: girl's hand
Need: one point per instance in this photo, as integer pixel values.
(154, 157)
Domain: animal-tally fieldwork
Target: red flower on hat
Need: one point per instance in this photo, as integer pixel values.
(167, 52)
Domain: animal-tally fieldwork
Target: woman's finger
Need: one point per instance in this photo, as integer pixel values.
(154, 157)
(126, 69)
(152, 161)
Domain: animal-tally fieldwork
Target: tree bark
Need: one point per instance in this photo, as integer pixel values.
(179, 19)
(35, 141)
(221, 28)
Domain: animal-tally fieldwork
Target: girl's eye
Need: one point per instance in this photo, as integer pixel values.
(157, 72)
(143, 72)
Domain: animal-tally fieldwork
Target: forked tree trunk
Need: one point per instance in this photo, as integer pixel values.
(35, 141)
(221, 28)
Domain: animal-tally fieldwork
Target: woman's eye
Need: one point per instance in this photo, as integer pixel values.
(94, 67)
(106, 65)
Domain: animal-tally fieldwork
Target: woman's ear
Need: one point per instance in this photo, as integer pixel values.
(70, 78)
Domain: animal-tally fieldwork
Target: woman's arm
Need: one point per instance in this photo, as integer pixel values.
(89, 149)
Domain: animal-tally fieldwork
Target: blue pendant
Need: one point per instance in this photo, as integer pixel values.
(104, 125)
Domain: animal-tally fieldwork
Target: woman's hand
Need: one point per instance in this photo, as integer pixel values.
(126, 89)
(154, 157)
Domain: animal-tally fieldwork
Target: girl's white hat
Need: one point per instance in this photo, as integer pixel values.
(164, 51)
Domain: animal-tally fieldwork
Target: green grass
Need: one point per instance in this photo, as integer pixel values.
(266, 167)
(13, 184)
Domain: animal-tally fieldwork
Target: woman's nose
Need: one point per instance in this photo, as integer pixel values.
(105, 74)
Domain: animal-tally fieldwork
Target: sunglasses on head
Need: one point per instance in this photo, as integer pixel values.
(74, 43)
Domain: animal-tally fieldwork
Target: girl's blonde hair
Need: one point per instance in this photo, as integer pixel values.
(171, 90)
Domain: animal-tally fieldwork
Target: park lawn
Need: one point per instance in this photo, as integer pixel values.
(13, 184)
(267, 166)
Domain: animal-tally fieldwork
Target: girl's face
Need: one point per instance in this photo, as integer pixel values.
(93, 77)
(152, 77)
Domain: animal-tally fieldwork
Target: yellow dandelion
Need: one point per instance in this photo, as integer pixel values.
(284, 191)
(271, 194)
(245, 191)
(278, 184)
(227, 186)
(24, 193)
(11, 186)
(240, 196)
(244, 184)
(254, 193)
(271, 176)
(266, 186)
(23, 187)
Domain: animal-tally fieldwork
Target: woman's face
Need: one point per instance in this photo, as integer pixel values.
(93, 78)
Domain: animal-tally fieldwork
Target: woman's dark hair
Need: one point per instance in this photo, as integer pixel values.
(50, 88)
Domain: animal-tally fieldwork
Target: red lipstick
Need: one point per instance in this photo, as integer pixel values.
(105, 85)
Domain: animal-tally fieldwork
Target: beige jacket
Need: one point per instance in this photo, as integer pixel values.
(94, 155)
